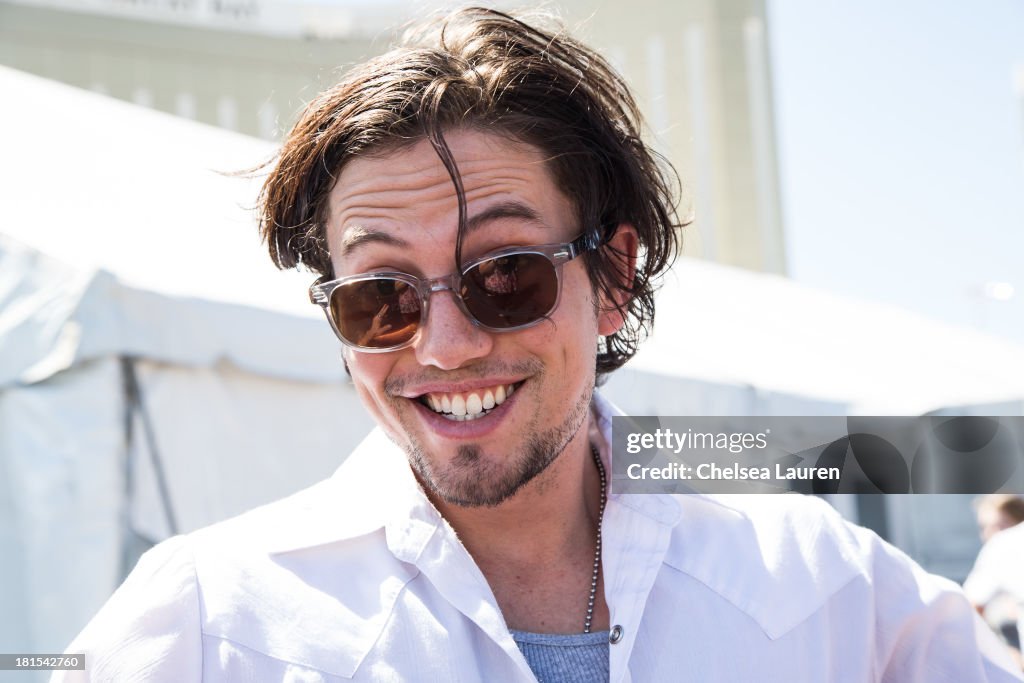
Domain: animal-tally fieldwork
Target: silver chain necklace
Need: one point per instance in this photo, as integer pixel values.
(597, 551)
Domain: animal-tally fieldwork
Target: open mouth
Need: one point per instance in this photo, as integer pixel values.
(468, 405)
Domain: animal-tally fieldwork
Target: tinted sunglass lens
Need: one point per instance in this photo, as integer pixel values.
(510, 291)
(378, 313)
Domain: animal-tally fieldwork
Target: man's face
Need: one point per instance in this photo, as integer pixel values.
(399, 212)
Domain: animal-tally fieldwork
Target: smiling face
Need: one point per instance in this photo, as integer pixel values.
(479, 413)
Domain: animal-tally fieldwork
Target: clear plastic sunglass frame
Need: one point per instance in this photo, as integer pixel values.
(558, 254)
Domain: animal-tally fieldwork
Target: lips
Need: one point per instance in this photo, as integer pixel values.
(468, 405)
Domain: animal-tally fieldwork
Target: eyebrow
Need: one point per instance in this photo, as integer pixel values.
(506, 209)
(357, 236)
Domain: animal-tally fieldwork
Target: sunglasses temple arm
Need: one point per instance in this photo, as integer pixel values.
(588, 241)
(317, 295)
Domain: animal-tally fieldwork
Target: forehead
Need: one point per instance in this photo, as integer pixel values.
(407, 195)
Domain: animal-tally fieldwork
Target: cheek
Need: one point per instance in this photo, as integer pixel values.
(573, 331)
(369, 371)
(579, 305)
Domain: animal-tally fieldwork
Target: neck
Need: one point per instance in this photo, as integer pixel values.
(537, 548)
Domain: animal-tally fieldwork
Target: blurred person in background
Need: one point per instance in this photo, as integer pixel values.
(996, 512)
(493, 170)
(995, 585)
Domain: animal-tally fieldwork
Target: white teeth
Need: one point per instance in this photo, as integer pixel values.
(463, 418)
(458, 405)
(468, 407)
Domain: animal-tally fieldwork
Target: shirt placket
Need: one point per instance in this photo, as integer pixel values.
(635, 545)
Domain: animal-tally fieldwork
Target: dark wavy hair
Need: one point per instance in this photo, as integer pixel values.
(481, 69)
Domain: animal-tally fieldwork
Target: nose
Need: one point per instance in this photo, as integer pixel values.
(449, 339)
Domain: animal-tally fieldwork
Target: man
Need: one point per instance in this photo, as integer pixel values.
(487, 224)
(995, 585)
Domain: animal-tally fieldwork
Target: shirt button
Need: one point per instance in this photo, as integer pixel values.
(615, 635)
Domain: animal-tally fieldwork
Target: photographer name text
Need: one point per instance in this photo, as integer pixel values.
(715, 472)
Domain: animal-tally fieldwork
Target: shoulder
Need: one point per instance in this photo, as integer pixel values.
(318, 558)
(784, 531)
(997, 569)
(788, 556)
(157, 606)
(1006, 543)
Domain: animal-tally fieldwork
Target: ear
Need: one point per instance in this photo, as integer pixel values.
(621, 250)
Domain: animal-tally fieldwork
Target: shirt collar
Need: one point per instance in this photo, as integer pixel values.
(662, 509)
(373, 489)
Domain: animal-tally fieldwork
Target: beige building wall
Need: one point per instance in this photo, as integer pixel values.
(700, 69)
(246, 81)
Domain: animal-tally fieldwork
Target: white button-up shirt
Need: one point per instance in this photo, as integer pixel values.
(999, 571)
(359, 578)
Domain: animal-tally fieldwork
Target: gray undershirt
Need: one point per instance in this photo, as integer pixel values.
(574, 658)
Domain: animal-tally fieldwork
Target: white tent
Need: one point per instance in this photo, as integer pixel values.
(127, 261)
(731, 327)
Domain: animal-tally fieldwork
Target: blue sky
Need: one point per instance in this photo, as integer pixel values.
(901, 152)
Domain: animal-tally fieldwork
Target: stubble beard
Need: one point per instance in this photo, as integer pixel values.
(472, 479)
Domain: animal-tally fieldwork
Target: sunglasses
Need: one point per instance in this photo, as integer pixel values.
(506, 290)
